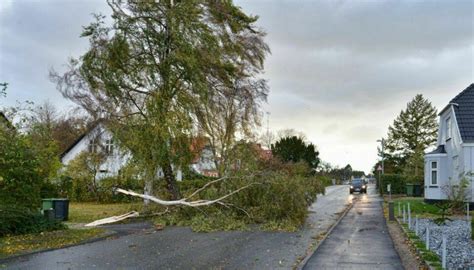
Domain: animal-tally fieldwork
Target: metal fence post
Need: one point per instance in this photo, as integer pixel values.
(391, 212)
(427, 238)
(416, 225)
(399, 211)
(467, 212)
(409, 217)
(443, 254)
(404, 215)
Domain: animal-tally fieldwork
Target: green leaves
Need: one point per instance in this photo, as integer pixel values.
(414, 130)
(294, 149)
(21, 181)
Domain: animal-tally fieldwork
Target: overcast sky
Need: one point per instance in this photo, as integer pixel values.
(340, 71)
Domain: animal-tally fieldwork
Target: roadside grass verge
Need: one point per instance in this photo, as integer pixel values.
(88, 212)
(430, 258)
(414, 242)
(21, 244)
(417, 207)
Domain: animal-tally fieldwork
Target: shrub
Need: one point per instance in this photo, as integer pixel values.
(396, 181)
(457, 193)
(81, 182)
(105, 189)
(21, 220)
(20, 182)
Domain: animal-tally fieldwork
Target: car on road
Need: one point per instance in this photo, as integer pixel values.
(358, 185)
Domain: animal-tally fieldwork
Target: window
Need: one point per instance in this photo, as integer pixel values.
(434, 173)
(448, 128)
(109, 146)
(93, 146)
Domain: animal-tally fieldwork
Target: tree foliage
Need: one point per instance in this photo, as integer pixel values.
(294, 149)
(414, 129)
(20, 177)
(150, 73)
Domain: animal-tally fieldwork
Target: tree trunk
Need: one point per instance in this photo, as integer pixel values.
(171, 182)
(148, 189)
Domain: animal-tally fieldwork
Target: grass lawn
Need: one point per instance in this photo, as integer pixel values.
(19, 244)
(418, 207)
(88, 212)
(78, 213)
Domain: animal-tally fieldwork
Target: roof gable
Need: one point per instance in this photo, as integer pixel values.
(89, 130)
(5, 122)
(463, 105)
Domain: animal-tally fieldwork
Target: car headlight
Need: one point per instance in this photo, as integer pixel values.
(363, 186)
(352, 187)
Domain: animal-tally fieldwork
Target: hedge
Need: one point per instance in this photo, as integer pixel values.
(396, 181)
(21, 220)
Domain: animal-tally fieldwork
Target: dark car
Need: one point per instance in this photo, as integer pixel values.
(358, 185)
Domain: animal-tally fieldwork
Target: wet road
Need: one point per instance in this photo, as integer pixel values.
(180, 248)
(359, 241)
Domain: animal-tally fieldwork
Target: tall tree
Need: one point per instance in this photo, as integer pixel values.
(294, 149)
(148, 72)
(233, 108)
(414, 128)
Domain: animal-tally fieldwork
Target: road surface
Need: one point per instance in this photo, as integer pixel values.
(359, 241)
(180, 248)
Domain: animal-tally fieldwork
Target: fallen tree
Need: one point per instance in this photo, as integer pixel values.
(185, 201)
(182, 202)
(275, 198)
(112, 219)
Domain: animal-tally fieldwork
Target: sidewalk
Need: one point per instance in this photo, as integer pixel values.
(360, 241)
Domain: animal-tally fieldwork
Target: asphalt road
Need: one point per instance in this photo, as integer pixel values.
(360, 241)
(180, 248)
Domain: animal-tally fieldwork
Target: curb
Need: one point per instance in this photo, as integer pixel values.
(105, 235)
(303, 263)
(418, 251)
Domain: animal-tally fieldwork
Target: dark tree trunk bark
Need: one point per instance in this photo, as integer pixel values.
(171, 184)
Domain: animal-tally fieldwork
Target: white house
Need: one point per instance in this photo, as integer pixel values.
(91, 141)
(100, 137)
(453, 158)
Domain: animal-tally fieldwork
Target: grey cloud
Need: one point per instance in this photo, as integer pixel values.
(36, 36)
(340, 71)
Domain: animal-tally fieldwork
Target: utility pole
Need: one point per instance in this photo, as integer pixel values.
(382, 142)
(268, 131)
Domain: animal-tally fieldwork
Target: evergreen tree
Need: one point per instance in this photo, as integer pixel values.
(414, 130)
(294, 149)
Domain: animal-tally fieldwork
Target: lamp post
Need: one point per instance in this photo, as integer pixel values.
(382, 142)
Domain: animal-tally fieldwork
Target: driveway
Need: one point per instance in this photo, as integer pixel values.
(360, 241)
(180, 248)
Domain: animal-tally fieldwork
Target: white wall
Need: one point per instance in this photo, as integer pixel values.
(205, 162)
(453, 145)
(458, 161)
(113, 162)
(119, 158)
(435, 192)
(469, 167)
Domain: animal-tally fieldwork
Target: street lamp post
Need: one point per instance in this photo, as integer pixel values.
(382, 142)
(382, 169)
